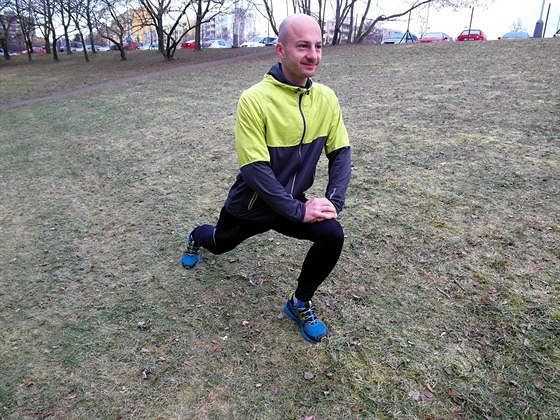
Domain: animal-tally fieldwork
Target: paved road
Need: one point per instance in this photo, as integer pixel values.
(110, 83)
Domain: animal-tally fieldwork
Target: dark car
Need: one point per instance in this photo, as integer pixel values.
(400, 38)
(472, 35)
(10, 53)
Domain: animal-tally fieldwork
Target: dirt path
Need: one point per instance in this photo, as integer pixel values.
(110, 83)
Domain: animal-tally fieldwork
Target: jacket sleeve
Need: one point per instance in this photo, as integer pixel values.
(260, 178)
(339, 177)
(338, 154)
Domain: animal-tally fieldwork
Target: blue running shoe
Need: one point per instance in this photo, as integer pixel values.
(312, 329)
(191, 257)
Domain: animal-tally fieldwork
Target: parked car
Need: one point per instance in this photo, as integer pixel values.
(435, 37)
(216, 43)
(149, 46)
(74, 46)
(260, 42)
(10, 53)
(400, 38)
(36, 50)
(188, 45)
(126, 46)
(269, 40)
(472, 35)
(253, 42)
(557, 34)
(515, 35)
(97, 48)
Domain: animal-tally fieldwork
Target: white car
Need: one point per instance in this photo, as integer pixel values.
(260, 42)
(253, 42)
(97, 48)
(216, 43)
(148, 46)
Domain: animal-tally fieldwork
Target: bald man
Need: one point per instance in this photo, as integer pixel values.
(283, 124)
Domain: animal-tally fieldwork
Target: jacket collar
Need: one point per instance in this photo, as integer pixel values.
(276, 72)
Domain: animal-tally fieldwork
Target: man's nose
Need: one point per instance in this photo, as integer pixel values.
(313, 53)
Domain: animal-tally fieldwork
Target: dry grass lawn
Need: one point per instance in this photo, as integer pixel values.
(445, 301)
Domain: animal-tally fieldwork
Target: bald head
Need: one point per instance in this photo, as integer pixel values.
(299, 48)
(293, 22)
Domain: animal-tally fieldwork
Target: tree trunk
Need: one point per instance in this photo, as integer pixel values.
(47, 44)
(351, 30)
(55, 51)
(84, 46)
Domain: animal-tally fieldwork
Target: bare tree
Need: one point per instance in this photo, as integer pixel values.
(113, 24)
(302, 6)
(44, 14)
(166, 16)
(321, 17)
(367, 25)
(76, 9)
(8, 18)
(44, 25)
(91, 8)
(169, 18)
(26, 21)
(342, 9)
(65, 20)
(268, 12)
(206, 10)
(51, 23)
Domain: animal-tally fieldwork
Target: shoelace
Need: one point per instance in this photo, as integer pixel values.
(192, 248)
(308, 314)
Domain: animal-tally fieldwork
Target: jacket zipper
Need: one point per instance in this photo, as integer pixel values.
(255, 195)
(300, 141)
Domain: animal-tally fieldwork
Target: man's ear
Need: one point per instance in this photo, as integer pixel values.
(280, 51)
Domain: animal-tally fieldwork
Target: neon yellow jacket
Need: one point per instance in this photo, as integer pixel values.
(281, 131)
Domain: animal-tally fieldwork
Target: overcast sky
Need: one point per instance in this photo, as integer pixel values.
(495, 19)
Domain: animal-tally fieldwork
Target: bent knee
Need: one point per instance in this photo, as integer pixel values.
(332, 231)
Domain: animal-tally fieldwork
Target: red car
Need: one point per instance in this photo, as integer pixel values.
(187, 45)
(435, 37)
(472, 35)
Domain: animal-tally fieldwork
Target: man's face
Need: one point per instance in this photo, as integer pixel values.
(300, 53)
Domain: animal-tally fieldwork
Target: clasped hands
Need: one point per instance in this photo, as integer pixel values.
(318, 209)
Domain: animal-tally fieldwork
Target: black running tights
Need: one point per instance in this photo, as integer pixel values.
(327, 237)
